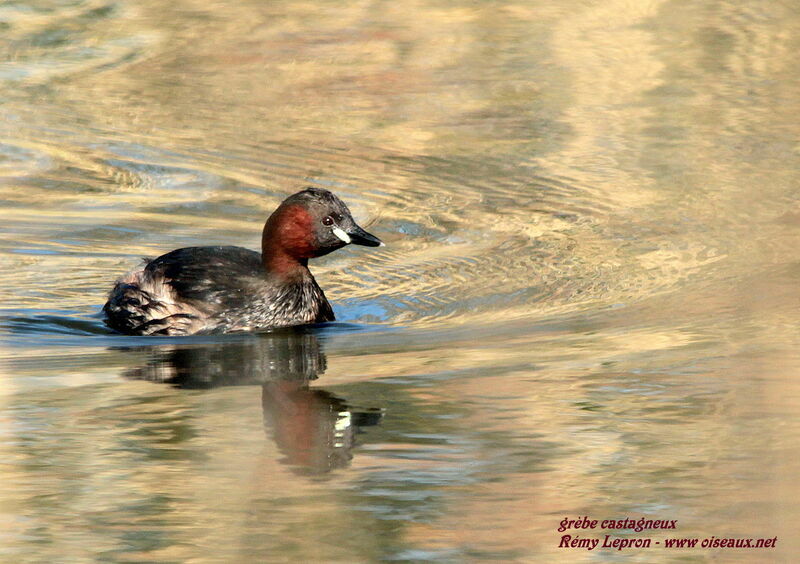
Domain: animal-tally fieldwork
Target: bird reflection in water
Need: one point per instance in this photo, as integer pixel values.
(314, 428)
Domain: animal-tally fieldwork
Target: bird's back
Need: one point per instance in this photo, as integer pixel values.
(210, 289)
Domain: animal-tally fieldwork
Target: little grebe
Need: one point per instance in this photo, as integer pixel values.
(221, 289)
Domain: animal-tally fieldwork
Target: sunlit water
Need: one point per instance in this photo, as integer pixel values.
(588, 302)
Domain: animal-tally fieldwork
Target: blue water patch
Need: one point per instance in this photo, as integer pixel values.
(365, 311)
(35, 252)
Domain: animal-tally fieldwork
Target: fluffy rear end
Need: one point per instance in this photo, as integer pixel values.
(144, 304)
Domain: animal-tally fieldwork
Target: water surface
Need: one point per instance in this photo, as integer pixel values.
(587, 304)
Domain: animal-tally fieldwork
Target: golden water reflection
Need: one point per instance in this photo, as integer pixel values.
(315, 429)
(587, 304)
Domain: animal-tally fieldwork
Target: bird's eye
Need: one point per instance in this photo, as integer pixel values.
(328, 220)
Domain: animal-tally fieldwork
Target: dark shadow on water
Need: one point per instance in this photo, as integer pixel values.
(34, 323)
(315, 429)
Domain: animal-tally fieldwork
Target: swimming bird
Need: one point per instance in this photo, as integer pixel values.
(220, 289)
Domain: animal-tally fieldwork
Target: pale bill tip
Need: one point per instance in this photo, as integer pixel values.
(341, 235)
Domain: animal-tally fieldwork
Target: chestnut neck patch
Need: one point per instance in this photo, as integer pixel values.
(288, 240)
